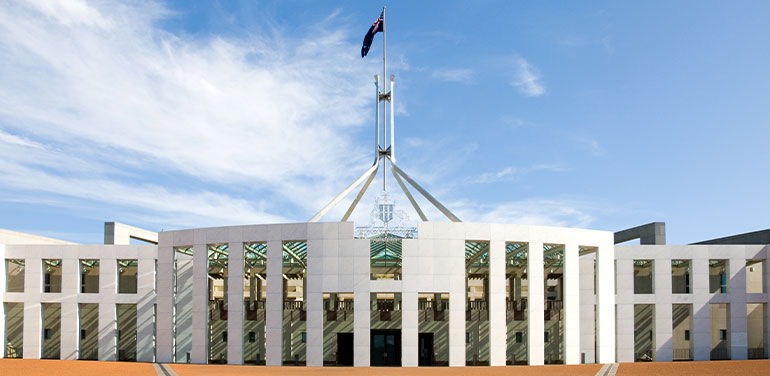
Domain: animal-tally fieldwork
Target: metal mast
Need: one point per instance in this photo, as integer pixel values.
(383, 151)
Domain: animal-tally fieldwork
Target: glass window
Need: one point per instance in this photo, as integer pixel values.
(89, 276)
(14, 275)
(52, 275)
(643, 277)
(127, 274)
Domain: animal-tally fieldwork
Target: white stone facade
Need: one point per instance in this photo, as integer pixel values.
(173, 292)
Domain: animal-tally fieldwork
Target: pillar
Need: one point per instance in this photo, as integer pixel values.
(274, 303)
(536, 304)
(605, 301)
(571, 286)
(496, 300)
(235, 280)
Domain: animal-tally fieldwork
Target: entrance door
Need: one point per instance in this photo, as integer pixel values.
(344, 349)
(386, 348)
(426, 349)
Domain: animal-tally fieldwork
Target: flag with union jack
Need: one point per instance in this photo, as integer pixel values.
(377, 26)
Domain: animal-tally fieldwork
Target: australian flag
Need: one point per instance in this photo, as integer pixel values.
(377, 26)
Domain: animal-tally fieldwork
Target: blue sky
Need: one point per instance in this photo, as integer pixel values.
(170, 115)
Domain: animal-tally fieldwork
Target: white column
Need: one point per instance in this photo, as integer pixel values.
(314, 305)
(409, 330)
(587, 302)
(235, 280)
(497, 310)
(738, 326)
(200, 309)
(766, 306)
(108, 291)
(701, 316)
(456, 303)
(69, 308)
(625, 313)
(145, 309)
(571, 285)
(108, 329)
(183, 302)
(33, 269)
(536, 304)
(605, 301)
(274, 303)
(361, 304)
(664, 346)
(164, 316)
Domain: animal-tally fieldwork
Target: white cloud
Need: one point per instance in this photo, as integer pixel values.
(461, 75)
(271, 114)
(507, 173)
(592, 145)
(526, 79)
(541, 212)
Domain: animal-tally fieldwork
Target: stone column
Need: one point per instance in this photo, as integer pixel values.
(496, 300)
(145, 308)
(738, 326)
(235, 280)
(33, 277)
(457, 298)
(701, 317)
(625, 313)
(274, 303)
(70, 289)
(200, 300)
(536, 304)
(605, 301)
(571, 285)
(587, 304)
(664, 330)
(165, 312)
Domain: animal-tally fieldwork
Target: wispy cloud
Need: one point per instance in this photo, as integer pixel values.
(527, 79)
(542, 212)
(461, 75)
(106, 83)
(508, 173)
(593, 146)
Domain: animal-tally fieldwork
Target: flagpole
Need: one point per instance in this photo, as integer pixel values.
(385, 101)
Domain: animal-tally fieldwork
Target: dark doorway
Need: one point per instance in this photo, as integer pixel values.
(386, 348)
(345, 349)
(426, 350)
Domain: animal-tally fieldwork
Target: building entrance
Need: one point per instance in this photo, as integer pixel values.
(345, 349)
(426, 350)
(386, 348)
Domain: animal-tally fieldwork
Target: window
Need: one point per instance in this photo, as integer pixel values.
(252, 337)
(686, 335)
(52, 275)
(304, 337)
(89, 276)
(519, 337)
(127, 271)
(545, 337)
(47, 334)
(82, 334)
(723, 334)
(224, 336)
(14, 275)
(643, 277)
(467, 337)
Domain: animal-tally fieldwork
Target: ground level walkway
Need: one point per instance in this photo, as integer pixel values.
(32, 367)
